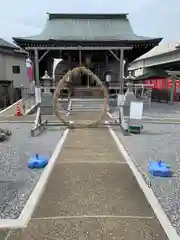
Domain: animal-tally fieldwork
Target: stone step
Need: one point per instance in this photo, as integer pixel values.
(87, 104)
(80, 115)
(86, 109)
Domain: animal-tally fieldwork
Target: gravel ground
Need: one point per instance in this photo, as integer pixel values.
(159, 141)
(163, 110)
(157, 110)
(16, 180)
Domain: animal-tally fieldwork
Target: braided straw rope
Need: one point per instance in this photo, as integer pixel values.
(67, 78)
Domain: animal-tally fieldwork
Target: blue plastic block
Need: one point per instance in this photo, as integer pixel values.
(159, 169)
(37, 161)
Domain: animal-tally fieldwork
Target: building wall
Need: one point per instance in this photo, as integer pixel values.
(2, 68)
(6, 70)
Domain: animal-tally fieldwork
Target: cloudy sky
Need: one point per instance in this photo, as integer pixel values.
(153, 18)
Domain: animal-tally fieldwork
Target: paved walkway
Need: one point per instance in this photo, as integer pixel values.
(91, 194)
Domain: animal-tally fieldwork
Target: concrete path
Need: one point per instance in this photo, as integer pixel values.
(91, 194)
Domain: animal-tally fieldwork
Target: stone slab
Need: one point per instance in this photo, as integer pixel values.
(90, 145)
(86, 115)
(87, 155)
(92, 189)
(91, 229)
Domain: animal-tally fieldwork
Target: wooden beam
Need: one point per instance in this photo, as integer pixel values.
(121, 70)
(80, 58)
(44, 54)
(80, 48)
(114, 55)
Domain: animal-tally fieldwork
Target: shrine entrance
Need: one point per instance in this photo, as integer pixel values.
(84, 81)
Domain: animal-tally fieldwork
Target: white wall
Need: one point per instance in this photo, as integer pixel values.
(6, 73)
(2, 67)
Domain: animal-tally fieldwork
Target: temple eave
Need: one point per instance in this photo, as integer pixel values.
(26, 42)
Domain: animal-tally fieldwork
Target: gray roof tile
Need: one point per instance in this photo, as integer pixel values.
(88, 27)
(161, 49)
(5, 44)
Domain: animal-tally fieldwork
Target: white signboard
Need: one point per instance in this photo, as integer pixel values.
(38, 95)
(55, 63)
(136, 110)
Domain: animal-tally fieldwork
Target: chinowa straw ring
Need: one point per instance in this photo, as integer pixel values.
(68, 78)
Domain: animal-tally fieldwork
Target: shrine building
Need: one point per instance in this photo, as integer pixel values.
(105, 43)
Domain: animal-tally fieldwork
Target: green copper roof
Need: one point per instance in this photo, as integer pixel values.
(87, 27)
(152, 73)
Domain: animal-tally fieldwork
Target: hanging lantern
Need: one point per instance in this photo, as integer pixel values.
(108, 77)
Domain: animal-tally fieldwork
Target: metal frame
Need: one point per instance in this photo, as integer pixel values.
(38, 124)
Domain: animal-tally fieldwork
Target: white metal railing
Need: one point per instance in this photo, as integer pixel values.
(38, 123)
(38, 117)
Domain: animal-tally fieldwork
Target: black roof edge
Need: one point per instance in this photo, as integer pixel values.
(110, 41)
(87, 15)
(26, 40)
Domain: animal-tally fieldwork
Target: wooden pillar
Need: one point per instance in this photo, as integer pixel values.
(121, 71)
(11, 93)
(36, 61)
(126, 67)
(69, 62)
(173, 78)
(80, 58)
(107, 60)
(50, 69)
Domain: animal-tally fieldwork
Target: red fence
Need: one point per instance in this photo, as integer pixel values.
(162, 83)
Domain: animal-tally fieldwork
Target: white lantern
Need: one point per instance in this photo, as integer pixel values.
(108, 78)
